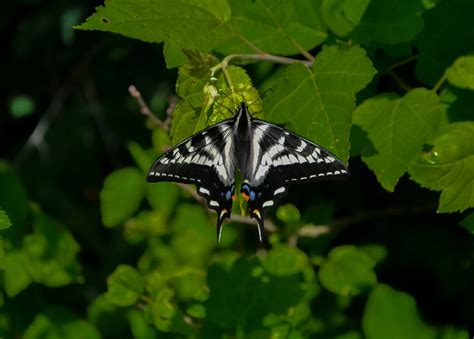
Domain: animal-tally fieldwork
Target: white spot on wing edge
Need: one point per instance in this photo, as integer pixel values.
(213, 203)
(279, 190)
(205, 191)
(268, 203)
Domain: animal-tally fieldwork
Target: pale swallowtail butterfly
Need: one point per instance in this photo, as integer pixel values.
(269, 157)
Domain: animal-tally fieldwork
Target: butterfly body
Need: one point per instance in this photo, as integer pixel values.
(269, 158)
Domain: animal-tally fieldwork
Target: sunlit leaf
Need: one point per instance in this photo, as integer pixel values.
(318, 103)
(449, 167)
(4, 220)
(59, 323)
(392, 314)
(461, 73)
(125, 286)
(51, 253)
(398, 128)
(165, 20)
(16, 276)
(283, 260)
(121, 195)
(348, 271)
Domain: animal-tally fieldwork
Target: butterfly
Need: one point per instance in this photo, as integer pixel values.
(269, 157)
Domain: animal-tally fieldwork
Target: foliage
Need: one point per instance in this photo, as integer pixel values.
(385, 85)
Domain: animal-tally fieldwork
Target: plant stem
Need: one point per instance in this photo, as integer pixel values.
(403, 62)
(144, 109)
(440, 82)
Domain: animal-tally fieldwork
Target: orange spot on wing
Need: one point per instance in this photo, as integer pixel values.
(234, 197)
(246, 196)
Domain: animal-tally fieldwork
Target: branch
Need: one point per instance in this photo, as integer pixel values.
(440, 82)
(258, 57)
(144, 109)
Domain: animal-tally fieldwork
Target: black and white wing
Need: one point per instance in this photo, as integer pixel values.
(279, 158)
(206, 160)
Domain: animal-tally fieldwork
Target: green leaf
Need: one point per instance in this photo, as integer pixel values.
(288, 213)
(348, 271)
(163, 197)
(282, 260)
(389, 22)
(253, 295)
(140, 327)
(4, 220)
(189, 284)
(274, 26)
(21, 106)
(141, 157)
(121, 195)
(448, 26)
(449, 167)
(318, 103)
(192, 226)
(343, 16)
(468, 222)
(109, 319)
(16, 276)
(51, 253)
(185, 119)
(170, 21)
(391, 314)
(125, 286)
(197, 311)
(461, 72)
(166, 316)
(58, 323)
(457, 103)
(13, 198)
(398, 128)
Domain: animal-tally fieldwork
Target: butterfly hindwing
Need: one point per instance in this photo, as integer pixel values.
(206, 160)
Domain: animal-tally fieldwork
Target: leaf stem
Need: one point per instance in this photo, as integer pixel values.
(403, 62)
(440, 82)
(144, 109)
(258, 57)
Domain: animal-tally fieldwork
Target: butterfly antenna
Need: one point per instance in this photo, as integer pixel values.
(232, 112)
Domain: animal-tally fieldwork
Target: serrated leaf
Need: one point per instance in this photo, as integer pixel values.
(348, 271)
(51, 253)
(318, 103)
(184, 121)
(461, 72)
(170, 21)
(343, 16)
(389, 22)
(449, 167)
(124, 286)
(57, 323)
(274, 26)
(468, 222)
(398, 128)
(391, 314)
(121, 195)
(4, 220)
(440, 44)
